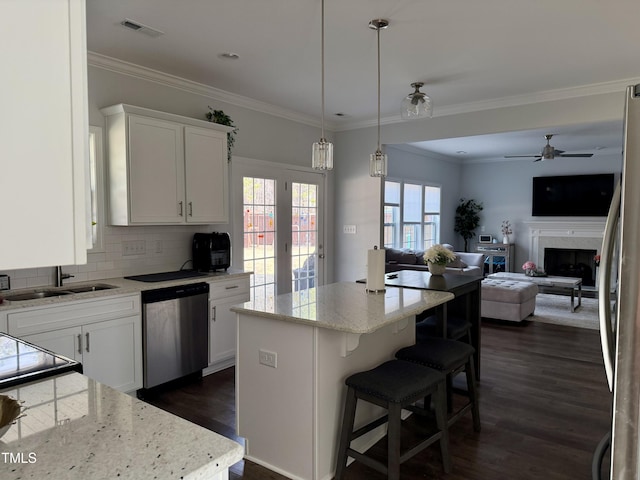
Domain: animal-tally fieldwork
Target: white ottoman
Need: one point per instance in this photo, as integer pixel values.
(508, 299)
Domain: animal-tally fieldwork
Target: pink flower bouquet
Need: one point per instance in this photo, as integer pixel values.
(529, 267)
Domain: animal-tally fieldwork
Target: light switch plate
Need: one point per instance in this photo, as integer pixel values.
(5, 282)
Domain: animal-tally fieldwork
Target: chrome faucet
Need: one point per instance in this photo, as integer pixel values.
(61, 276)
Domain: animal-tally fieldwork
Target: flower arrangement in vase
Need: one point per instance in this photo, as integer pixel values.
(437, 258)
(506, 231)
(529, 268)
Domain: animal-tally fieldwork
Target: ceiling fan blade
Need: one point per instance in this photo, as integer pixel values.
(521, 156)
(576, 155)
(538, 159)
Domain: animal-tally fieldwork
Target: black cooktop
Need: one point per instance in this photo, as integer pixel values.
(22, 362)
(166, 276)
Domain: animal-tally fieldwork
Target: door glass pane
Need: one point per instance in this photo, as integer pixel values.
(304, 235)
(259, 232)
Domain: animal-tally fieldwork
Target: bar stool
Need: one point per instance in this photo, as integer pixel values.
(393, 385)
(449, 357)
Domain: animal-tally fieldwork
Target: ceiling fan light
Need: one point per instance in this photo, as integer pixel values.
(378, 164)
(322, 156)
(416, 105)
(548, 152)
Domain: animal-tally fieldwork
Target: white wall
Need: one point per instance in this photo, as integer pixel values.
(505, 189)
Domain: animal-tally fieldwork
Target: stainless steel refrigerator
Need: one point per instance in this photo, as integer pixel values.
(619, 285)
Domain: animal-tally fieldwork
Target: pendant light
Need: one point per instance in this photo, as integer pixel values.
(416, 105)
(322, 155)
(378, 160)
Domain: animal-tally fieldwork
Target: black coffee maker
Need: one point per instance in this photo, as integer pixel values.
(211, 251)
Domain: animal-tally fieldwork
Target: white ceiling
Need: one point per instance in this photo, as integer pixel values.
(465, 51)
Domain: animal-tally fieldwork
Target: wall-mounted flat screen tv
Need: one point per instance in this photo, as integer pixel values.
(572, 195)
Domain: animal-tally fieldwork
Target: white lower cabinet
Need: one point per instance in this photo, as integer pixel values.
(105, 335)
(222, 321)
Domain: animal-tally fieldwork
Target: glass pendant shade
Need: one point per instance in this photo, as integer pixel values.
(378, 164)
(322, 153)
(416, 105)
(322, 157)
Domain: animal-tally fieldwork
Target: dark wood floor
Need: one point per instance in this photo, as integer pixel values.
(544, 406)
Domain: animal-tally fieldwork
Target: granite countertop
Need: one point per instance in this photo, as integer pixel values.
(124, 286)
(346, 306)
(77, 428)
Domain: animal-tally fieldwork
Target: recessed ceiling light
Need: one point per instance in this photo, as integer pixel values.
(229, 55)
(461, 152)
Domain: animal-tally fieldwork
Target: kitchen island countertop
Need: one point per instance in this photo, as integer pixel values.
(77, 428)
(346, 306)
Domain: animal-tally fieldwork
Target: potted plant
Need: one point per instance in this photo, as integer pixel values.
(467, 219)
(218, 116)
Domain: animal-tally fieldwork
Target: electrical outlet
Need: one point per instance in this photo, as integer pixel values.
(351, 229)
(270, 359)
(133, 247)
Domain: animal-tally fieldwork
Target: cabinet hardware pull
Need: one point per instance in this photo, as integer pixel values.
(191, 209)
(180, 205)
(232, 287)
(214, 313)
(87, 337)
(80, 344)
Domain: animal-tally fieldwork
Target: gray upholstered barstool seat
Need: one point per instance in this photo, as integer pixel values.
(393, 385)
(449, 357)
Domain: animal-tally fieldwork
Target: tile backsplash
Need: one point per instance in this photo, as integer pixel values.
(165, 248)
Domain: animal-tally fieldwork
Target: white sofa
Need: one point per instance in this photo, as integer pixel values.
(406, 259)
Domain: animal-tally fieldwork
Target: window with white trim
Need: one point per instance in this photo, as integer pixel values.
(411, 215)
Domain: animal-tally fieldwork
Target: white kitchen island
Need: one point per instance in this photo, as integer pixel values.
(293, 357)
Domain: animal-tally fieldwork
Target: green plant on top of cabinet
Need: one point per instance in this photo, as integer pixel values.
(165, 169)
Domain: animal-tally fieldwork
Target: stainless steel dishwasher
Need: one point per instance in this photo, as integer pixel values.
(175, 332)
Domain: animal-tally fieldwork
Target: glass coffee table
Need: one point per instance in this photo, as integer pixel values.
(574, 285)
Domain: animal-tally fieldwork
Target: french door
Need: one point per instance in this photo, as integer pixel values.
(278, 235)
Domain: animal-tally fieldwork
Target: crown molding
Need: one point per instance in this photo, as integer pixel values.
(616, 86)
(125, 68)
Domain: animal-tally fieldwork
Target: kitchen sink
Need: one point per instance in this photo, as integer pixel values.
(90, 288)
(36, 295)
(96, 287)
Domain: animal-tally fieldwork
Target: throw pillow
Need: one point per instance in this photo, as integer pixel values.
(457, 263)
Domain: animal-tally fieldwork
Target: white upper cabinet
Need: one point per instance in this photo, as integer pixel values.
(44, 133)
(164, 169)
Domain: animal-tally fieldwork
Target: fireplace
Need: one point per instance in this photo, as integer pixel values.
(571, 262)
(567, 235)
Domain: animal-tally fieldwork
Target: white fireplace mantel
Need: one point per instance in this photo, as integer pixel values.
(563, 234)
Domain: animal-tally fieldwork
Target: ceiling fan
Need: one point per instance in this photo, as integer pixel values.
(549, 152)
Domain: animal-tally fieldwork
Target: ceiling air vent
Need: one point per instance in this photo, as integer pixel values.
(139, 27)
